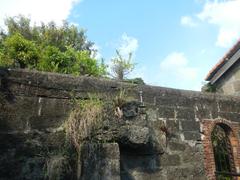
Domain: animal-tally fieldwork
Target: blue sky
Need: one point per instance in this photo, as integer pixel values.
(175, 43)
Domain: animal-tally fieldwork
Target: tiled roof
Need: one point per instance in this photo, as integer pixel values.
(222, 61)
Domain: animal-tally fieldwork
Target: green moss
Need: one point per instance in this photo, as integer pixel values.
(209, 88)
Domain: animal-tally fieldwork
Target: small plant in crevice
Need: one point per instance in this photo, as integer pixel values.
(118, 101)
(166, 131)
(208, 87)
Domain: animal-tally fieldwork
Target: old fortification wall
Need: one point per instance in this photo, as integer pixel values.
(162, 140)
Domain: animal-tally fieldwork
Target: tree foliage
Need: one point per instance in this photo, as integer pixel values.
(137, 80)
(122, 66)
(48, 47)
(22, 52)
(49, 34)
(208, 87)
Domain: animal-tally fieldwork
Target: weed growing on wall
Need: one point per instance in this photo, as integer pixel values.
(119, 100)
(209, 88)
(83, 120)
(90, 115)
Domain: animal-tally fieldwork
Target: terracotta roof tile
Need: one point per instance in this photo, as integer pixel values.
(222, 61)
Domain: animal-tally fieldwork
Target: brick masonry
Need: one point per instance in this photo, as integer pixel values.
(207, 128)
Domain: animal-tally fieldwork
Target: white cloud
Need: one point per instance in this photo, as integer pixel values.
(176, 72)
(96, 51)
(226, 15)
(127, 45)
(188, 21)
(37, 10)
(139, 71)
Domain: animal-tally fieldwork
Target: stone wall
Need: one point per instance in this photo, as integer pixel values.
(229, 83)
(164, 139)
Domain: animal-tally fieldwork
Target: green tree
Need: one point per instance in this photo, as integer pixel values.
(122, 66)
(48, 47)
(20, 25)
(4, 60)
(52, 60)
(49, 34)
(21, 52)
(137, 80)
(89, 66)
(70, 62)
(64, 36)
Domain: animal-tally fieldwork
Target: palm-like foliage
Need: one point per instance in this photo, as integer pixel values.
(122, 66)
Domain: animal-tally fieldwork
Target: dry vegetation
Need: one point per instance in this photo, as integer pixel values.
(85, 118)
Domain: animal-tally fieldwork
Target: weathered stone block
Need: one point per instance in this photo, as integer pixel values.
(175, 146)
(228, 88)
(236, 86)
(152, 114)
(237, 75)
(192, 135)
(190, 126)
(183, 173)
(142, 163)
(180, 173)
(165, 112)
(166, 101)
(229, 106)
(100, 161)
(230, 116)
(187, 114)
(130, 109)
(173, 126)
(136, 175)
(192, 156)
(58, 167)
(170, 160)
(138, 136)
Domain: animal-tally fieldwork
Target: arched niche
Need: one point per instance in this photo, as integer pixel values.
(221, 137)
(221, 155)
